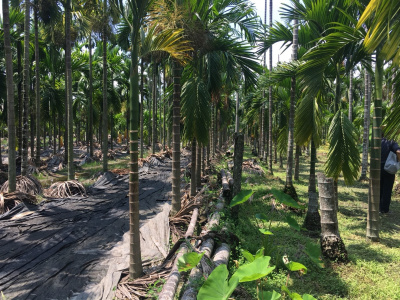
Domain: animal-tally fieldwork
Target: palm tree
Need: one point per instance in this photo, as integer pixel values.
(37, 83)
(10, 99)
(105, 106)
(25, 90)
(270, 98)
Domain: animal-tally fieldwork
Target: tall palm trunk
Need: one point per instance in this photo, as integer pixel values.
(367, 121)
(90, 126)
(270, 98)
(135, 261)
(20, 97)
(68, 86)
(351, 96)
(199, 151)
(312, 220)
(105, 104)
(176, 141)
(154, 120)
(10, 98)
(373, 223)
(237, 113)
(289, 188)
(141, 107)
(25, 90)
(193, 170)
(37, 85)
(164, 104)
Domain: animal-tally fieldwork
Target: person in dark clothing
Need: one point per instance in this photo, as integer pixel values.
(387, 179)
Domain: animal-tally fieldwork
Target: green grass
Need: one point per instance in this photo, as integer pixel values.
(373, 270)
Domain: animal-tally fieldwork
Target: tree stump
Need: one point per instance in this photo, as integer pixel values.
(332, 245)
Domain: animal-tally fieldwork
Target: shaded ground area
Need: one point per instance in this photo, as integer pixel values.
(61, 247)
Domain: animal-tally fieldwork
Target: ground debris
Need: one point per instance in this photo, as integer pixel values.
(10, 200)
(252, 166)
(65, 189)
(26, 184)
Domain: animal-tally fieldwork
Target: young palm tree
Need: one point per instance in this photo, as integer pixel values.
(10, 98)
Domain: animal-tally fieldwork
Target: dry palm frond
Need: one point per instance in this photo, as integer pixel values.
(9, 200)
(65, 189)
(138, 288)
(26, 184)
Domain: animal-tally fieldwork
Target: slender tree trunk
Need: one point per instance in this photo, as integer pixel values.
(141, 107)
(164, 116)
(270, 108)
(392, 96)
(37, 87)
(70, 145)
(154, 120)
(367, 120)
(176, 141)
(90, 126)
(313, 219)
(297, 163)
(198, 165)
(237, 113)
(135, 261)
(20, 97)
(289, 188)
(261, 133)
(351, 96)
(10, 98)
(193, 170)
(105, 104)
(331, 244)
(54, 134)
(32, 127)
(238, 161)
(25, 91)
(373, 222)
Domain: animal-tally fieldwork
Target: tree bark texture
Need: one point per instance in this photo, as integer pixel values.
(193, 170)
(10, 98)
(373, 221)
(198, 165)
(25, 90)
(176, 140)
(351, 96)
(104, 128)
(37, 84)
(367, 121)
(312, 220)
(270, 105)
(154, 120)
(70, 145)
(135, 260)
(237, 163)
(90, 126)
(332, 245)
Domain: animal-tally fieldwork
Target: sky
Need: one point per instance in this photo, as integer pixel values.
(260, 5)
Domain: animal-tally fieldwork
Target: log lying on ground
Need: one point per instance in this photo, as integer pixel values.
(230, 179)
(221, 255)
(192, 286)
(226, 190)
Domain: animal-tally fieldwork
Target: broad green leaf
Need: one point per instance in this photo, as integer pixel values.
(247, 255)
(269, 296)
(293, 296)
(261, 216)
(293, 223)
(314, 253)
(216, 287)
(260, 253)
(266, 232)
(285, 199)
(308, 297)
(295, 266)
(188, 261)
(243, 196)
(257, 269)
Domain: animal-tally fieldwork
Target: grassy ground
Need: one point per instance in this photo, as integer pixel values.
(373, 270)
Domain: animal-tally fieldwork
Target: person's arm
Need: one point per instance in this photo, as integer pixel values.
(398, 154)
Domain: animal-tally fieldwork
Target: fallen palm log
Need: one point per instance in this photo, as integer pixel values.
(9, 200)
(226, 191)
(221, 255)
(26, 184)
(169, 289)
(196, 274)
(230, 179)
(65, 189)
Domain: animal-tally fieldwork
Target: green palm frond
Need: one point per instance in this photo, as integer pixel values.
(196, 109)
(168, 40)
(308, 121)
(343, 153)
